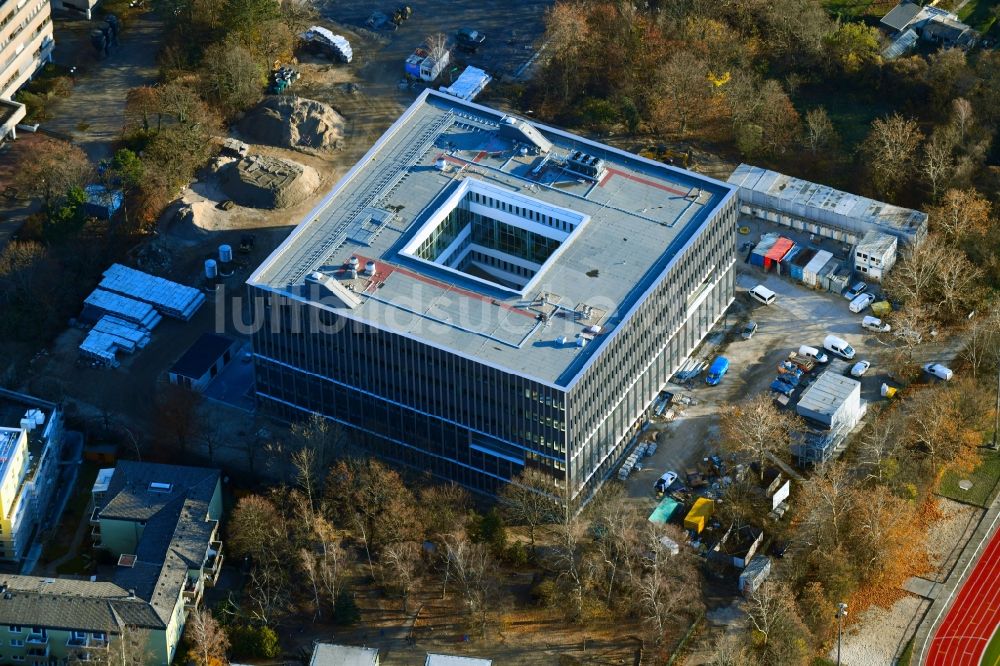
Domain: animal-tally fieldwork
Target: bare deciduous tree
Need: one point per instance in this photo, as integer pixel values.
(891, 148)
(880, 444)
(829, 495)
(756, 428)
(960, 214)
(473, 570)
(938, 164)
(529, 499)
(400, 564)
(207, 639)
(819, 130)
(669, 587)
(961, 116)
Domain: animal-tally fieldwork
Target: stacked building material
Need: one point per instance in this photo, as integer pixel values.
(111, 335)
(169, 298)
(137, 336)
(101, 302)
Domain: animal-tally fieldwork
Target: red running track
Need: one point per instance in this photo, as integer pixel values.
(967, 628)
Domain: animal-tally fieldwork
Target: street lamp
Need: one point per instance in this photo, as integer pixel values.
(841, 614)
(996, 413)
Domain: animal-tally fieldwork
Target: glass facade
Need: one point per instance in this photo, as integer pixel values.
(459, 419)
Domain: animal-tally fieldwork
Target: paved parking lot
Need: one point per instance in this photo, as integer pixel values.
(799, 316)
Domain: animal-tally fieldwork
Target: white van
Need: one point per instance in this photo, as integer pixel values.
(939, 371)
(875, 324)
(812, 352)
(762, 294)
(860, 303)
(838, 346)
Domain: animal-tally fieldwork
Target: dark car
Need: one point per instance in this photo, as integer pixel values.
(469, 39)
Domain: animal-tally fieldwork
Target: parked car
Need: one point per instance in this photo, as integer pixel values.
(663, 483)
(791, 380)
(860, 368)
(939, 371)
(469, 40)
(838, 346)
(875, 324)
(762, 294)
(781, 387)
(812, 352)
(855, 291)
(749, 330)
(716, 371)
(862, 302)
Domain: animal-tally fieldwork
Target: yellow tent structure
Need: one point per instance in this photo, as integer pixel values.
(699, 514)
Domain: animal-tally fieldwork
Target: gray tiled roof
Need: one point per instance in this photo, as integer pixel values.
(72, 604)
(175, 539)
(130, 498)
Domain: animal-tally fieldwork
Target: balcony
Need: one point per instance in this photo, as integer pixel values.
(38, 653)
(213, 565)
(38, 639)
(192, 594)
(75, 642)
(95, 521)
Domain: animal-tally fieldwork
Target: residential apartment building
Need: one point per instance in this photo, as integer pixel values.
(31, 440)
(25, 46)
(161, 524)
(481, 294)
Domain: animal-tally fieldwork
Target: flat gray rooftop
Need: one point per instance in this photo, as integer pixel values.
(639, 214)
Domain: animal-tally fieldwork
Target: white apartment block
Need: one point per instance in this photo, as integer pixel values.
(25, 45)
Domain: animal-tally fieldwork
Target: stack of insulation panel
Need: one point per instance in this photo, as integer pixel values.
(169, 298)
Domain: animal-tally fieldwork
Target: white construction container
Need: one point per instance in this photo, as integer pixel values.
(810, 271)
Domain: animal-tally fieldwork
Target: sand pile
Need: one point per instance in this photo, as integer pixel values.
(257, 181)
(294, 122)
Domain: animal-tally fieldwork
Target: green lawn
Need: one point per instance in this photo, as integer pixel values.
(984, 481)
(848, 9)
(850, 112)
(992, 655)
(979, 14)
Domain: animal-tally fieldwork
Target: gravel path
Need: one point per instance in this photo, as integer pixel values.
(881, 633)
(946, 538)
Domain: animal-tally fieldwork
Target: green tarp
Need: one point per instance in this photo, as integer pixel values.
(661, 514)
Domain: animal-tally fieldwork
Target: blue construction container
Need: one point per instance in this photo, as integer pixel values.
(800, 261)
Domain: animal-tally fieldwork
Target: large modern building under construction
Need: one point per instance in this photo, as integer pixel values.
(481, 294)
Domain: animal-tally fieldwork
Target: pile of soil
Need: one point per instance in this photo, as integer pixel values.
(294, 122)
(258, 181)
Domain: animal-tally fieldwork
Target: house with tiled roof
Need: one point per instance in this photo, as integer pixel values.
(161, 525)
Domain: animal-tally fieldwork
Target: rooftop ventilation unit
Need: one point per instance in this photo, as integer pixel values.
(586, 165)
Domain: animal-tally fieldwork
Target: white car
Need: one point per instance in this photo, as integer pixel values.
(854, 291)
(860, 303)
(860, 368)
(875, 324)
(939, 371)
(664, 482)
